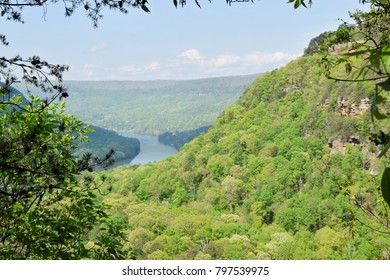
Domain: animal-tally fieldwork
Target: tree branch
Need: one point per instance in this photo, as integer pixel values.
(357, 81)
(38, 3)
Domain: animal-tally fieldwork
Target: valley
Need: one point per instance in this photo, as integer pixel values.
(153, 107)
(286, 172)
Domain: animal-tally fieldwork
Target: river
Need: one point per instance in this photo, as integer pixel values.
(151, 149)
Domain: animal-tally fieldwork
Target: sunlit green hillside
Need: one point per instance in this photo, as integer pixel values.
(287, 172)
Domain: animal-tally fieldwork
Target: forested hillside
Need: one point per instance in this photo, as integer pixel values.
(154, 107)
(101, 141)
(179, 138)
(287, 172)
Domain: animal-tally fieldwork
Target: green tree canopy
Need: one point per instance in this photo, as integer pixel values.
(47, 207)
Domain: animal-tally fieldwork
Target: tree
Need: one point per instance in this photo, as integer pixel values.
(36, 71)
(47, 208)
(232, 190)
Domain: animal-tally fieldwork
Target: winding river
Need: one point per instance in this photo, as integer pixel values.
(151, 149)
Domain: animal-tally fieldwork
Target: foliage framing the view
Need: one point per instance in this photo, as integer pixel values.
(47, 210)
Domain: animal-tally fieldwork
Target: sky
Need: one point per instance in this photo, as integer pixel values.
(169, 43)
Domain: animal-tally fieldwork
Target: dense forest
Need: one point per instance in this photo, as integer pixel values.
(154, 107)
(179, 138)
(287, 172)
(101, 141)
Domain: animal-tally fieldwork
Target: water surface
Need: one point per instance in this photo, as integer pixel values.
(151, 149)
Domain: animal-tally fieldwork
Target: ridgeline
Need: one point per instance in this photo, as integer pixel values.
(287, 172)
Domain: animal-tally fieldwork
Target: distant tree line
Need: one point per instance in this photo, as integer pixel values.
(178, 139)
(101, 141)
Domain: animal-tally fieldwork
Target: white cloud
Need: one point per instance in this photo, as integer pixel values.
(192, 54)
(90, 66)
(192, 64)
(154, 66)
(249, 61)
(225, 60)
(261, 58)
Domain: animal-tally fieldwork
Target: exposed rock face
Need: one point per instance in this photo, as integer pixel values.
(372, 162)
(347, 108)
(339, 48)
(290, 89)
(337, 146)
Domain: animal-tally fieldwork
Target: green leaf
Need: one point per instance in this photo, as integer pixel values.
(385, 185)
(384, 151)
(356, 53)
(385, 85)
(378, 115)
(385, 57)
(297, 4)
(145, 9)
(374, 112)
(379, 99)
(175, 3)
(348, 67)
(374, 59)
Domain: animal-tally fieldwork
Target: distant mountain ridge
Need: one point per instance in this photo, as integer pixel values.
(154, 107)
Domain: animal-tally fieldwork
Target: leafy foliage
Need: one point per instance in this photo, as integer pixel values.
(46, 211)
(385, 185)
(178, 139)
(102, 141)
(363, 48)
(367, 40)
(284, 173)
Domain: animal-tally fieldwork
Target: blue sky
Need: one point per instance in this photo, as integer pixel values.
(170, 43)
